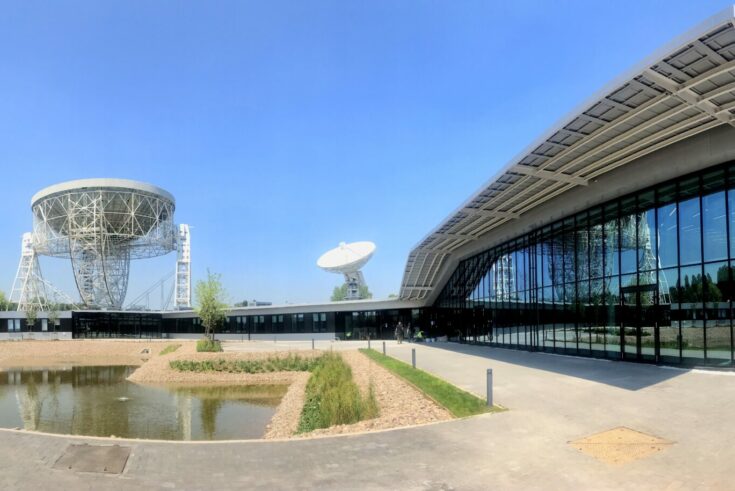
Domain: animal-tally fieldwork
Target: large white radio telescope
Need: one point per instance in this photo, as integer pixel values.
(101, 224)
(348, 260)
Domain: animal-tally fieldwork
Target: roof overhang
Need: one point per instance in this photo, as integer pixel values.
(685, 88)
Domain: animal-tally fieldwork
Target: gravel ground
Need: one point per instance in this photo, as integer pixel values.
(286, 420)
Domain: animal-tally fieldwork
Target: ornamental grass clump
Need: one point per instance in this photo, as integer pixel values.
(290, 363)
(209, 345)
(170, 349)
(332, 397)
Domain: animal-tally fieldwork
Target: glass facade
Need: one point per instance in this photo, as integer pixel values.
(646, 277)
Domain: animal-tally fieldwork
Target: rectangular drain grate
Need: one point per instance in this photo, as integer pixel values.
(107, 459)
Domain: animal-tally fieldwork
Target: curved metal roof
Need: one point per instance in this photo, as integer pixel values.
(100, 183)
(685, 88)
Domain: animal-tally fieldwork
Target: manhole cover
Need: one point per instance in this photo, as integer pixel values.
(620, 445)
(109, 459)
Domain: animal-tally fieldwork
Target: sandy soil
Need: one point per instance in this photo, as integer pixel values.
(77, 352)
(400, 403)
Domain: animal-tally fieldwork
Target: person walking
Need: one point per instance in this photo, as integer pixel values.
(399, 333)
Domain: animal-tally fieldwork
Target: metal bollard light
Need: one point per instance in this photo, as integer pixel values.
(490, 387)
(369, 344)
(383, 348)
(413, 357)
(312, 343)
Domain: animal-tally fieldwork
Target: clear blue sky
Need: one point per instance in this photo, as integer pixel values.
(284, 127)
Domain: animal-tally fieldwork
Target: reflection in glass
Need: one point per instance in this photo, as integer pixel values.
(667, 236)
(714, 227)
(690, 247)
(655, 258)
(717, 312)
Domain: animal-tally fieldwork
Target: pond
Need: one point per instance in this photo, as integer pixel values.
(98, 401)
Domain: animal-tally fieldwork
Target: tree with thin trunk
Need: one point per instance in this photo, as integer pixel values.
(210, 303)
(53, 315)
(31, 315)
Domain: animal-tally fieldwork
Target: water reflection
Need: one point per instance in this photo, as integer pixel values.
(99, 401)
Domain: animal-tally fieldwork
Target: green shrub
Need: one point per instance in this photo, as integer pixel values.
(290, 363)
(209, 345)
(170, 349)
(333, 398)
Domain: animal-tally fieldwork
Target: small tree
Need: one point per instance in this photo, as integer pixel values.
(4, 303)
(31, 315)
(339, 293)
(210, 303)
(365, 292)
(53, 315)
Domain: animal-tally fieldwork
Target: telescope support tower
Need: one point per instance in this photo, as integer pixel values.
(183, 269)
(28, 287)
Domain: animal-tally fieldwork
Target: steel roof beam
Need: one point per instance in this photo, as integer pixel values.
(550, 176)
(709, 52)
(491, 213)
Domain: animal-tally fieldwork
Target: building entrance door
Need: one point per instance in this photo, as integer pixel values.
(639, 323)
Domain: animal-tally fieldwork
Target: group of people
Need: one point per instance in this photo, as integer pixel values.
(406, 332)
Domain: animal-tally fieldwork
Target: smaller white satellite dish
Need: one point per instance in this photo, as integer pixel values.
(348, 259)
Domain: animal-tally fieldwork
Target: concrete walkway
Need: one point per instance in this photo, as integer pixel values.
(552, 400)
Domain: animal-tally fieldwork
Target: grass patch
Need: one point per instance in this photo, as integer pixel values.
(290, 363)
(333, 398)
(209, 345)
(457, 401)
(169, 349)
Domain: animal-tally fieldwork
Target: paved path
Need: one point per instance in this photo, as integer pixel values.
(552, 400)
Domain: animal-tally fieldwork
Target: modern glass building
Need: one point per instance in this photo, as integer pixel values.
(644, 277)
(612, 235)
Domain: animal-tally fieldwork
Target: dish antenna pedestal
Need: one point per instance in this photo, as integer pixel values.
(348, 260)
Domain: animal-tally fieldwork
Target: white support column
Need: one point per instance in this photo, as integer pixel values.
(28, 286)
(183, 269)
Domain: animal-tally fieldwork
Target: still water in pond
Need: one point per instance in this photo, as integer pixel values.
(99, 401)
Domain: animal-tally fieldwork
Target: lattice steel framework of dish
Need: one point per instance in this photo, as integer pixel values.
(686, 88)
(101, 224)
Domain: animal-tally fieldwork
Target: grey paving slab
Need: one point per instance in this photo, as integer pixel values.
(552, 400)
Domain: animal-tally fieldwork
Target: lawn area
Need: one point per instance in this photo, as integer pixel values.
(457, 401)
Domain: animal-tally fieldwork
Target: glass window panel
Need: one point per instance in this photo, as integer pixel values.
(717, 313)
(714, 223)
(628, 256)
(582, 247)
(612, 265)
(668, 313)
(690, 285)
(731, 211)
(666, 194)
(690, 232)
(647, 240)
(595, 244)
(628, 224)
(667, 236)
(547, 268)
(612, 321)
